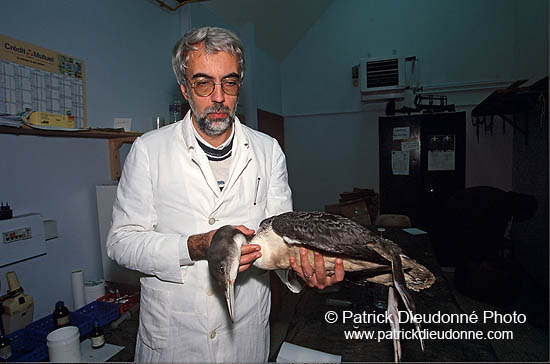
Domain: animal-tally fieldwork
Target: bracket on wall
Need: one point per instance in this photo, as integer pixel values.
(114, 155)
(513, 100)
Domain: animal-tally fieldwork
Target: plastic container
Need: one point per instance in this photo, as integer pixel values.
(125, 305)
(64, 345)
(103, 312)
(25, 349)
(40, 329)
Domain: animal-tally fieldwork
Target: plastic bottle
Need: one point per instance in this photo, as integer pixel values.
(60, 315)
(5, 347)
(98, 338)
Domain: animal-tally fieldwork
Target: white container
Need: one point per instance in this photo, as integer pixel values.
(93, 290)
(64, 345)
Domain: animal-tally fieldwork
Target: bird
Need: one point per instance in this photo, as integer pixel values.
(374, 258)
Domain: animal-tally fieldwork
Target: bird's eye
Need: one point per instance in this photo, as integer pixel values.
(222, 269)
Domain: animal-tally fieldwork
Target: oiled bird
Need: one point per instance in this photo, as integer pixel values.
(379, 260)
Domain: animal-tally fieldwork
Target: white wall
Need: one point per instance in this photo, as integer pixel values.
(126, 47)
(456, 42)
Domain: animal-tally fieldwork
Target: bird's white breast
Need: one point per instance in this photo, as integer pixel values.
(275, 252)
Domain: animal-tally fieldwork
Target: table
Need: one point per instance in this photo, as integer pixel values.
(308, 327)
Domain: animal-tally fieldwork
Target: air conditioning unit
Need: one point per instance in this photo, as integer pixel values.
(382, 79)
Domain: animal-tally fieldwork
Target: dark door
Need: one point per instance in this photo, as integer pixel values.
(273, 125)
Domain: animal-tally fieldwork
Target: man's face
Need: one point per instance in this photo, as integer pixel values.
(213, 114)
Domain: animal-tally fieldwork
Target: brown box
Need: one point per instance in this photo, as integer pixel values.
(356, 211)
(333, 209)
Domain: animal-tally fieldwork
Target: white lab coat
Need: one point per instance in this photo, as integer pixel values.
(166, 193)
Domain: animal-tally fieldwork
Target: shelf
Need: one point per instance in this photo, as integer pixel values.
(512, 100)
(117, 137)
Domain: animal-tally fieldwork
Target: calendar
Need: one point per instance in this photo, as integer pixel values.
(39, 79)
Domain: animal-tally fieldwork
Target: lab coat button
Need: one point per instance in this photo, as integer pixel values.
(211, 221)
(210, 292)
(213, 335)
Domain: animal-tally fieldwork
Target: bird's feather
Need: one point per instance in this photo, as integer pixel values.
(320, 230)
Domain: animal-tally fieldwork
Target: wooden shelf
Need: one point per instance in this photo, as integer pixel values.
(116, 137)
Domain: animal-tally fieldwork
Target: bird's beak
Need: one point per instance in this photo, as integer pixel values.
(230, 297)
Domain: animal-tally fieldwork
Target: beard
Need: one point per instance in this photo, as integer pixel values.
(213, 127)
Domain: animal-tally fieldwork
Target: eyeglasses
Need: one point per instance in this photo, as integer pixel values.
(205, 86)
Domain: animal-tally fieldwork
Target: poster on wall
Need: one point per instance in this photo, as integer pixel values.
(402, 133)
(400, 162)
(41, 80)
(441, 153)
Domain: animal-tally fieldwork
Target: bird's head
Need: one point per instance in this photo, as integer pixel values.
(223, 257)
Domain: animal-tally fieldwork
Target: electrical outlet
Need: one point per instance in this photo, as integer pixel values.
(16, 235)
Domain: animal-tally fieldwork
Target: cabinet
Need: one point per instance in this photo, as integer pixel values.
(422, 164)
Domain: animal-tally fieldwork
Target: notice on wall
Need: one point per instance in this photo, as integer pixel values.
(400, 162)
(402, 133)
(407, 146)
(41, 80)
(441, 153)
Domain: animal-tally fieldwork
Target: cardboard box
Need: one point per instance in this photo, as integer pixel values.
(356, 211)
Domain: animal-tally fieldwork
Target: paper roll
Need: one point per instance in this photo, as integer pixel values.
(93, 290)
(77, 278)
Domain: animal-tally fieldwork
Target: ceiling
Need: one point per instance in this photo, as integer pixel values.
(279, 25)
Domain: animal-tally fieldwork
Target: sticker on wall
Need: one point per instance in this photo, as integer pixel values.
(441, 153)
(402, 133)
(400, 162)
(407, 146)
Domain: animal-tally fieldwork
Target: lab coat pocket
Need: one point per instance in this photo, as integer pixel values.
(154, 318)
(256, 213)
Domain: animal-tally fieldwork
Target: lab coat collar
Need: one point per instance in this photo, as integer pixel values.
(241, 155)
(241, 137)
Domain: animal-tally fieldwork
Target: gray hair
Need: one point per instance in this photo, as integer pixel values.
(215, 40)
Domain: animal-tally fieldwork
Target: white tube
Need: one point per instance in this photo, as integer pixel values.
(77, 278)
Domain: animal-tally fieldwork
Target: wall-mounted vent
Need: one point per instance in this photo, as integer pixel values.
(383, 73)
(382, 78)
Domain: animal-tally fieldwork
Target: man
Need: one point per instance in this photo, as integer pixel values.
(182, 182)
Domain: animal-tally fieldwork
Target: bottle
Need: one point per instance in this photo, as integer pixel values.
(5, 347)
(175, 110)
(98, 338)
(60, 315)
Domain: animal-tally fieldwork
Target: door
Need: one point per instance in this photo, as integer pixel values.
(273, 125)
(422, 164)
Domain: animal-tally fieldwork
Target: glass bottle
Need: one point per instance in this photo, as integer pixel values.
(98, 338)
(175, 110)
(60, 315)
(5, 347)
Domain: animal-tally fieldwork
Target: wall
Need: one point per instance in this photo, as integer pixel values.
(467, 42)
(126, 46)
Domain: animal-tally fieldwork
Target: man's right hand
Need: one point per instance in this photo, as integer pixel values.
(198, 245)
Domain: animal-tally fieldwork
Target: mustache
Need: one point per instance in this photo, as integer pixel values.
(217, 108)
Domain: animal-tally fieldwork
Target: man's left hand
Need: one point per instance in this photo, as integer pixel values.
(249, 252)
(317, 277)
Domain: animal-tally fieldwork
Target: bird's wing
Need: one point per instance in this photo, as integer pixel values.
(329, 233)
(394, 322)
(401, 286)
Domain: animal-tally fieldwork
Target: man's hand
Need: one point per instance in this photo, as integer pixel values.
(317, 278)
(249, 252)
(198, 245)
